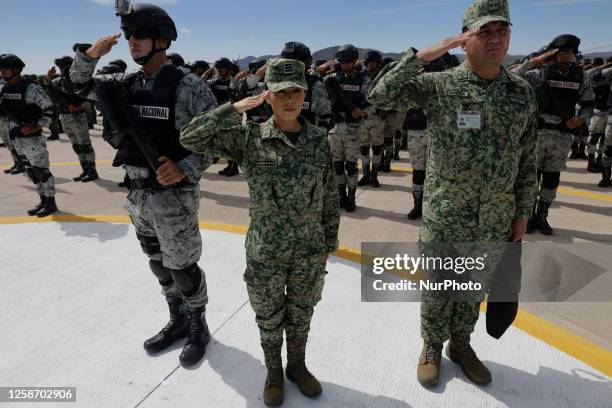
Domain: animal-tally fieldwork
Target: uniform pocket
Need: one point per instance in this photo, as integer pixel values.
(317, 291)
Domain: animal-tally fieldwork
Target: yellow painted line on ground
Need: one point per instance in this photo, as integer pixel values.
(552, 334)
(574, 192)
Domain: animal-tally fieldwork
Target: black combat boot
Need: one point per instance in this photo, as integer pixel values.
(83, 173)
(8, 171)
(298, 373)
(592, 166)
(386, 163)
(176, 329)
(274, 388)
(605, 177)
(92, 173)
(342, 195)
(232, 170)
(366, 179)
(574, 154)
(582, 151)
(38, 206)
(417, 211)
(199, 336)
(396, 151)
(350, 199)
(374, 177)
(49, 208)
(541, 217)
(53, 136)
(18, 168)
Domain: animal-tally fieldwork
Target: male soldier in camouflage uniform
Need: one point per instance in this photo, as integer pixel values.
(162, 203)
(601, 78)
(18, 165)
(29, 109)
(373, 129)
(74, 118)
(481, 174)
(317, 107)
(559, 86)
(346, 90)
(294, 214)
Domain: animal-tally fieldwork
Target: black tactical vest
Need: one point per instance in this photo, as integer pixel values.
(415, 120)
(221, 90)
(601, 87)
(64, 95)
(560, 92)
(156, 109)
(352, 89)
(311, 81)
(13, 101)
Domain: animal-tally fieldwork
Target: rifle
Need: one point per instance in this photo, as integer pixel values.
(122, 117)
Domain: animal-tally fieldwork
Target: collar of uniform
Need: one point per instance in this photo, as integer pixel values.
(157, 71)
(269, 130)
(464, 73)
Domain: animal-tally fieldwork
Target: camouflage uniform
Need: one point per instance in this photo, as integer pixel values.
(294, 213)
(32, 149)
(481, 172)
(554, 145)
(372, 133)
(393, 136)
(600, 119)
(165, 218)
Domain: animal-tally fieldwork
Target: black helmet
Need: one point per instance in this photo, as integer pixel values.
(565, 42)
(587, 61)
(373, 56)
(11, 61)
(150, 17)
(319, 62)
(296, 51)
(609, 59)
(176, 59)
(110, 69)
(347, 53)
(119, 63)
(598, 61)
(200, 64)
(64, 61)
(257, 63)
(223, 63)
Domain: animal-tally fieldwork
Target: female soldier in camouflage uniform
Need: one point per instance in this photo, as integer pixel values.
(294, 214)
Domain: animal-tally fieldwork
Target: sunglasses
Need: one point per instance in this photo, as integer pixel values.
(138, 34)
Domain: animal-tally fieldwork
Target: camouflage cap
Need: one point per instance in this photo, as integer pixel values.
(283, 73)
(483, 12)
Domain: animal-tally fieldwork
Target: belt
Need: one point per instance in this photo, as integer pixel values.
(153, 184)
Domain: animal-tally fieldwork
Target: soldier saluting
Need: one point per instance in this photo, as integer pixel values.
(481, 174)
(163, 197)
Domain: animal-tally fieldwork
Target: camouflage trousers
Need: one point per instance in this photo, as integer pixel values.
(75, 126)
(418, 146)
(393, 125)
(553, 148)
(344, 140)
(32, 150)
(166, 223)
(283, 296)
(372, 134)
(441, 318)
(4, 136)
(597, 130)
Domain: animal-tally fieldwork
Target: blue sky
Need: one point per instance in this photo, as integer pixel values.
(41, 30)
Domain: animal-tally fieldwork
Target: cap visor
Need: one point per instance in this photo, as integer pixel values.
(486, 20)
(279, 86)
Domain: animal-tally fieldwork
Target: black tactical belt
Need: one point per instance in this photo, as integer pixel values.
(153, 184)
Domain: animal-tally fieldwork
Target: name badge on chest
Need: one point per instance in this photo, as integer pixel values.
(468, 120)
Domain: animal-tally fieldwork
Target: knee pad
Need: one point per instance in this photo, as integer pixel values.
(377, 150)
(398, 135)
(161, 273)
(551, 180)
(351, 168)
(595, 138)
(42, 174)
(418, 177)
(86, 148)
(76, 148)
(388, 141)
(149, 245)
(187, 279)
(339, 168)
(364, 150)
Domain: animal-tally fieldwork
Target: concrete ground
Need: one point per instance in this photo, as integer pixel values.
(581, 213)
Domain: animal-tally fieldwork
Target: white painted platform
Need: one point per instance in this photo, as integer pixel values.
(77, 300)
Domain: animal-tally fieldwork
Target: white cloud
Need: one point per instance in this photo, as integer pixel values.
(185, 30)
(251, 38)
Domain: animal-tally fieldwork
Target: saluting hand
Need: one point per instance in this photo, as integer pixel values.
(437, 50)
(540, 60)
(169, 173)
(102, 46)
(249, 103)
